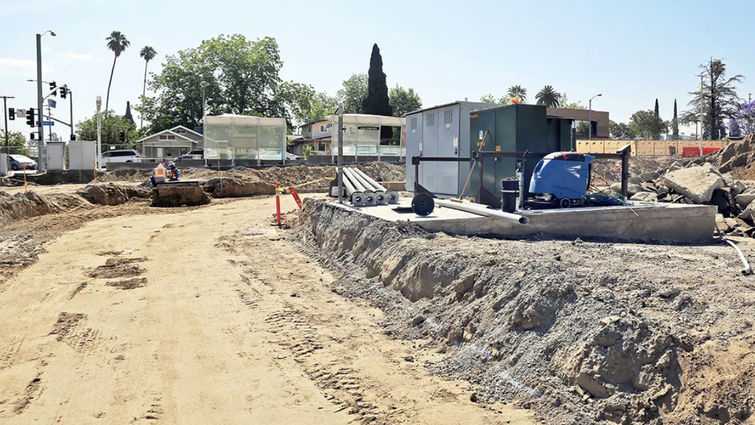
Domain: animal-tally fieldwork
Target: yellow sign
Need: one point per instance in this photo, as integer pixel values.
(473, 116)
(497, 148)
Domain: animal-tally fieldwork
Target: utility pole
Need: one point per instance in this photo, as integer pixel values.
(589, 117)
(5, 115)
(70, 99)
(340, 152)
(99, 132)
(40, 129)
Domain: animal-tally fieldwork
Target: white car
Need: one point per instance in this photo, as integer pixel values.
(126, 155)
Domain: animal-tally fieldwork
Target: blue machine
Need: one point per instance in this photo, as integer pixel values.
(561, 178)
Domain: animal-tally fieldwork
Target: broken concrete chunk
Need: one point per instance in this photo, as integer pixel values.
(745, 199)
(644, 196)
(696, 183)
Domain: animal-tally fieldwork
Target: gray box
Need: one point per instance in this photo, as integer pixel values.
(56, 156)
(443, 131)
(81, 155)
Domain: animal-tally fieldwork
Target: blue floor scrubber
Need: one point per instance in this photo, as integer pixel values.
(561, 179)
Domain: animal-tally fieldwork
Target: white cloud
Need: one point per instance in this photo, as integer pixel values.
(24, 67)
(75, 56)
(17, 66)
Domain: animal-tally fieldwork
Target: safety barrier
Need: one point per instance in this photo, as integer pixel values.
(650, 147)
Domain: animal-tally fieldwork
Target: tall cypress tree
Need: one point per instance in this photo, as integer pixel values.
(376, 102)
(675, 124)
(657, 113)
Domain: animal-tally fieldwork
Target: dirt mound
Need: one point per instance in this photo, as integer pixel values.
(228, 187)
(112, 194)
(32, 204)
(177, 195)
(553, 325)
(298, 174)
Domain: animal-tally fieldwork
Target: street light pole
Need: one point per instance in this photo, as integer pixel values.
(41, 151)
(589, 117)
(99, 132)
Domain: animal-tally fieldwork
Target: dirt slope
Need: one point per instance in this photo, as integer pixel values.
(206, 316)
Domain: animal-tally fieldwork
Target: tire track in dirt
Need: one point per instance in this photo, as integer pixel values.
(346, 356)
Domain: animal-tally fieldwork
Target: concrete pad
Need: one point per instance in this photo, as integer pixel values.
(657, 222)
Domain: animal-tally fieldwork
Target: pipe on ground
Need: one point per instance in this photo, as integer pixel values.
(377, 197)
(390, 195)
(356, 197)
(482, 210)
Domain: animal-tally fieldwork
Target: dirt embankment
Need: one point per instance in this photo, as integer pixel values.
(583, 332)
(261, 180)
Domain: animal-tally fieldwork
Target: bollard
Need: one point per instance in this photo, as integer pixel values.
(295, 194)
(277, 205)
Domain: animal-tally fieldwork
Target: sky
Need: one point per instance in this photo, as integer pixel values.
(631, 52)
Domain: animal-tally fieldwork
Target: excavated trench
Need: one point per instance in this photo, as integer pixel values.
(581, 332)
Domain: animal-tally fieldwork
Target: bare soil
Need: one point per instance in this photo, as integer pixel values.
(583, 332)
(235, 325)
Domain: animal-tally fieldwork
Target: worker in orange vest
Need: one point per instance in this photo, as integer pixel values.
(159, 175)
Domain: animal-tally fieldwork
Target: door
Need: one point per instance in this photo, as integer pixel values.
(429, 170)
(413, 146)
(447, 178)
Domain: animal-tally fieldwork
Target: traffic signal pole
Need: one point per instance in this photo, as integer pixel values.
(40, 129)
(5, 115)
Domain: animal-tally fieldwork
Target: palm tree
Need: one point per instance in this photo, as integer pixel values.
(517, 91)
(117, 43)
(548, 96)
(147, 53)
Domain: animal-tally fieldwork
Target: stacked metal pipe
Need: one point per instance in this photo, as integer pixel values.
(362, 190)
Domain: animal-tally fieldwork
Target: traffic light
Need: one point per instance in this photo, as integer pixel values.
(30, 117)
(73, 137)
(31, 135)
(122, 136)
(63, 90)
(11, 114)
(52, 86)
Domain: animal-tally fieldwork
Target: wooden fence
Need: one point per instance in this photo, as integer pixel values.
(646, 147)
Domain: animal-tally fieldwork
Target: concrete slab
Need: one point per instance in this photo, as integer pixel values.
(657, 222)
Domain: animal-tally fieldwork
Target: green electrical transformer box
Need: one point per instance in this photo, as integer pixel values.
(513, 128)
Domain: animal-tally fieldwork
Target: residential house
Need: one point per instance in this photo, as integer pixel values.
(170, 143)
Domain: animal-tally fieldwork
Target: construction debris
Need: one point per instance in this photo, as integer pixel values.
(175, 194)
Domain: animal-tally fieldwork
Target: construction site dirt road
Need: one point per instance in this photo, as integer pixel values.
(198, 316)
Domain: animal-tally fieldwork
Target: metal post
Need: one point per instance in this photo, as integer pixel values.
(203, 84)
(40, 128)
(99, 133)
(589, 122)
(5, 116)
(702, 123)
(340, 152)
(70, 98)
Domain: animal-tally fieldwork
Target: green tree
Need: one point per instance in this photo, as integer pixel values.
(517, 91)
(147, 53)
(16, 143)
(404, 101)
(117, 43)
(620, 131)
(377, 101)
(112, 125)
(675, 124)
(489, 98)
(353, 94)
(647, 125)
(548, 96)
(239, 77)
(563, 102)
(716, 99)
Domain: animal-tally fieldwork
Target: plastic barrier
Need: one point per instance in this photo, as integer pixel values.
(695, 151)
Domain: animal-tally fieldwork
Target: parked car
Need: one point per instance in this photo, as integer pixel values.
(195, 154)
(17, 162)
(125, 155)
(291, 157)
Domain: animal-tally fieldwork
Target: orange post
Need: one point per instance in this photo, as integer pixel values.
(277, 205)
(296, 198)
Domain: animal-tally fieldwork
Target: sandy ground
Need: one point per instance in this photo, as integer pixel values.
(207, 316)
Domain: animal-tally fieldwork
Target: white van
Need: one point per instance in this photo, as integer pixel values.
(126, 155)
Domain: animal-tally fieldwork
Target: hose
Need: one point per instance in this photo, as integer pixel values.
(747, 270)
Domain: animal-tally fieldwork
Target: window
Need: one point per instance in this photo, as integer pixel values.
(447, 116)
(167, 137)
(180, 131)
(321, 146)
(430, 121)
(322, 129)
